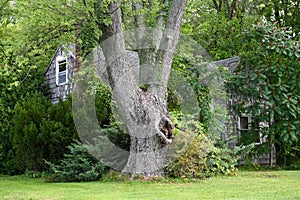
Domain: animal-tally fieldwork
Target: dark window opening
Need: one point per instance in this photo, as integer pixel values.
(62, 65)
(249, 131)
(244, 123)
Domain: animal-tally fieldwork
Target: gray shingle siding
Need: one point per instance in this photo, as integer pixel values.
(62, 91)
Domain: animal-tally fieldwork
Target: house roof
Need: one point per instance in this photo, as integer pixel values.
(230, 63)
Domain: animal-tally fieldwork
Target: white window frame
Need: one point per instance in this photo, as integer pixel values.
(58, 73)
(261, 138)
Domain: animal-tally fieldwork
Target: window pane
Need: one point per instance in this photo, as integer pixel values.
(249, 136)
(62, 65)
(244, 123)
(62, 78)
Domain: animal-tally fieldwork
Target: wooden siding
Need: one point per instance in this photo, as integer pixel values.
(57, 92)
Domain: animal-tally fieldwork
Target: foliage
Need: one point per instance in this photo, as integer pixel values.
(269, 78)
(23, 60)
(294, 166)
(193, 76)
(9, 96)
(223, 160)
(282, 10)
(191, 164)
(76, 166)
(193, 150)
(97, 92)
(213, 28)
(30, 33)
(117, 136)
(204, 157)
(41, 131)
(103, 105)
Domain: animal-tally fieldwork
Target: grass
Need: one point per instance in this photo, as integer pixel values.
(246, 185)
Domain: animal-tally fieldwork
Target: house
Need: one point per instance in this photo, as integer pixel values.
(244, 125)
(248, 129)
(59, 73)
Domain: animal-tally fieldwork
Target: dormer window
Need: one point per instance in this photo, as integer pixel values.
(61, 70)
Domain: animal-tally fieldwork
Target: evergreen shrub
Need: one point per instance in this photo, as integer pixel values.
(76, 166)
(41, 131)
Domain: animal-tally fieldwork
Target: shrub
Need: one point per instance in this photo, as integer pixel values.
(189, 136)
(192, 163)
(76, 166)
(222, 159)
(204, 156)
(41, 131)
(268, 77)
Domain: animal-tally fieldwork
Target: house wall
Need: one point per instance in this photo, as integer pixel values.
(234, 128)
(57, 92)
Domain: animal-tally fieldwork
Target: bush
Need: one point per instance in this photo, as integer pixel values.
(268, 79)
(76, 166)
(192, 163)
(204, 156)
(222, 159)
(41, 131)
(206, 159)
(189, 136)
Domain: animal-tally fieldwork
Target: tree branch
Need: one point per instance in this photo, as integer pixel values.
(169, 41)
(220, 5)
(216, 5)
(231, 9)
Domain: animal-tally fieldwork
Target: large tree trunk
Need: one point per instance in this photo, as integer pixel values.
(150, 129)
(143, 111)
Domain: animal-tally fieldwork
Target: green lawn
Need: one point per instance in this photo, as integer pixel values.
(247, 185)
